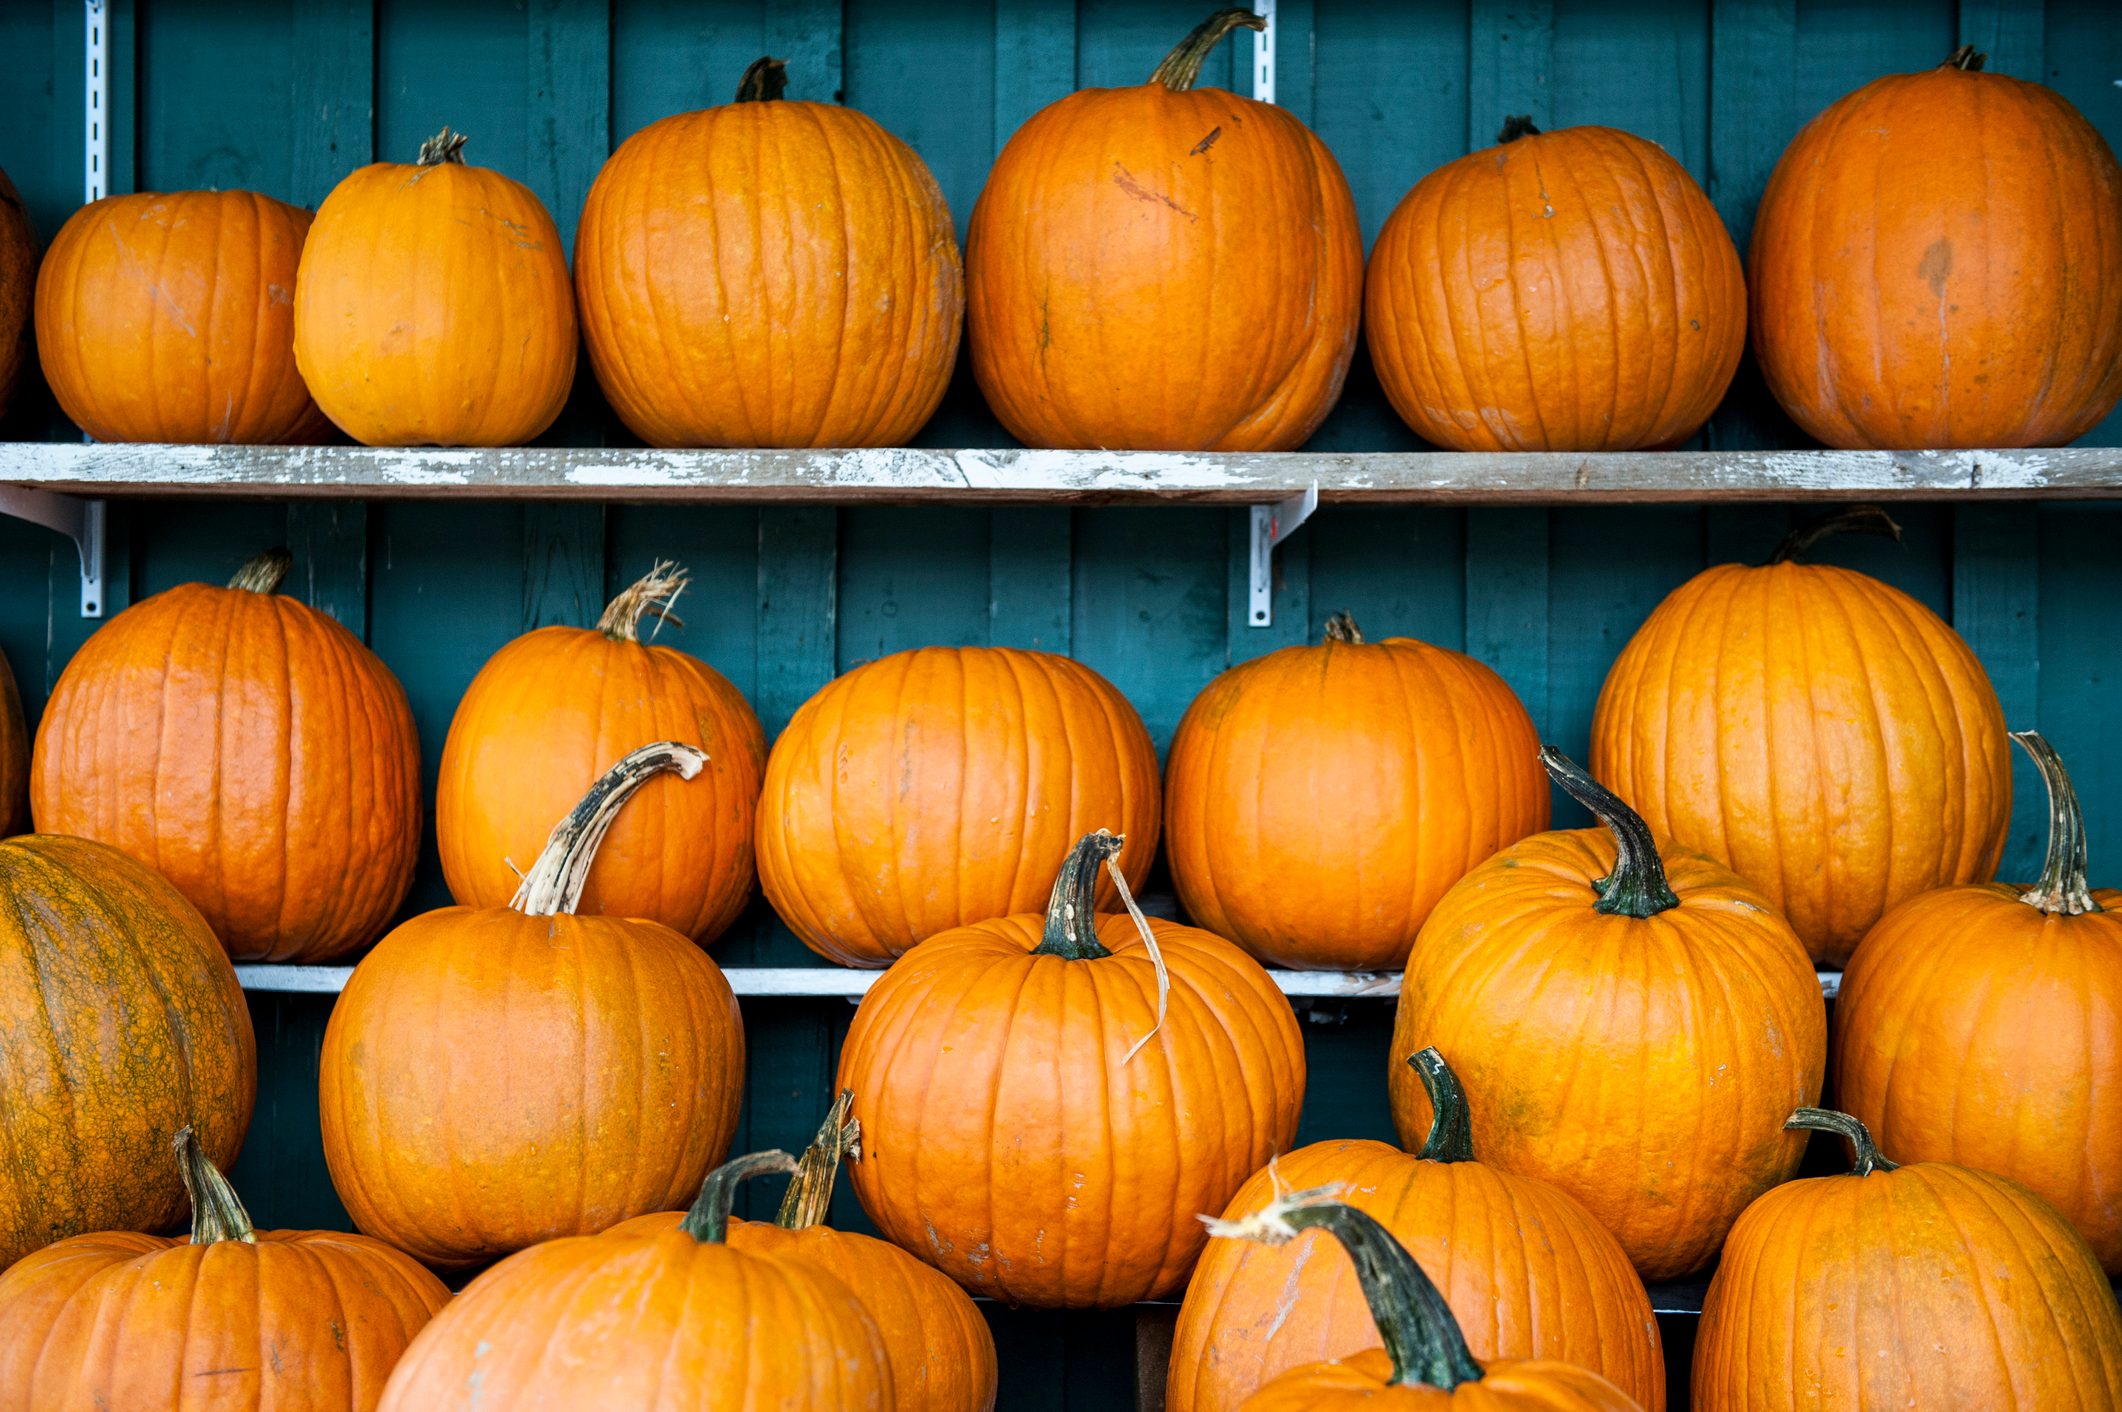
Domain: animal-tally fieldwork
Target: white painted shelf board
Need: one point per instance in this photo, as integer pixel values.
(905, 475)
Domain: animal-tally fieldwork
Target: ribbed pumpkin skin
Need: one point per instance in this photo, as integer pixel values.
(1319, 800)
(18, 287)
(14, 757)
(1937, 262)
(1931, 1286)
(170, 317)
(769, 273)
(590, 1071)
(940, 787)
(1004, 1142)
(1821, 733)
(646, 1323)
(1526, 1269)
(120, 1022)
(555, 709)
(1644, 1066)
(941, 1352)
(308, 1319)
(252, 751)
(1360, 1384)
(433, 308)
(1974, 1029)
(1152, 270)
(1564, 291)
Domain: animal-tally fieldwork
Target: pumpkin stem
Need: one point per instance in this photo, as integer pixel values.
(1183, 65)
(2062, 890)
(264, 573)
(1637, 886)
(1965, 59)
(1072, 909)
(1451, 1126)
(708, 1220)
(1341, 627)
(1857, 519)
(810, 1191)
(216, 1213)
(653, 593)
(1868, 1158)
(444, 146)
(1516, 127)
(764, 81)
(554, 883)
(1419, 1331)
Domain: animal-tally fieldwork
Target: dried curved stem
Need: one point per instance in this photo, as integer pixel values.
(1341, 627)
(1637, 886)
(217, 1214)
(265, 573)
(810, 1191)
(1182, 66)
(554, 883)
(1857, 519)
(444, 147)
(763, 82)
(654, 593)
(708, 1220)
(1865, 1152)
(2062, 891)
(1072, 907)
(1451, 1125)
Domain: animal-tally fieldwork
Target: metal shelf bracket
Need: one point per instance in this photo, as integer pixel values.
(1271, 525)
(79, 520)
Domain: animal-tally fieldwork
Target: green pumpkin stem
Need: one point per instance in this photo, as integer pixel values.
(1520, 125)
(1637, 886)
(2062, 891)
(216, 1212)
(1420, 1334)
(708, 1220)
(1072, 910)
(265, 573)
(1965, 59)
(763, 82)
(444, 147)
(1451, 1126)
(810, 1191)
(1183, 65)
(553, 886)
(651, 595)
(1866, 1157)
(1341, 627)
(1856, 519)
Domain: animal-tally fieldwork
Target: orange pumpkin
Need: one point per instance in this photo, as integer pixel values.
(1319, 800)
(14, 757)
(433, 306)
(937, 788)
(18, 280)
(1678, 1005)
(941, 1354)
(1038, 1125)
(1926, 1286)
(170, 317)
(1978, 1025)
(1164, 268)
(1900, 303)
(769, 273)
(589, 1070)
(1527, 1271)
(1823, 734)
(252, 751)
(671, 1320)
(552, 711)
(139, 1322)
(1561, 291)
(1425, 1363)
(120, 1022)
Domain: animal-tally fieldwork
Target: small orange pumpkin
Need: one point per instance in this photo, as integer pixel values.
(18, 282)
(433, 306)
(170, 317)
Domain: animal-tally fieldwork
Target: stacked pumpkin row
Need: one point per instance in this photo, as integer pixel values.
(1566, 291)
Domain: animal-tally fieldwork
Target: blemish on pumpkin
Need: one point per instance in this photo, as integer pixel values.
(1125, 180)
(1937, 264)
(1207, 142)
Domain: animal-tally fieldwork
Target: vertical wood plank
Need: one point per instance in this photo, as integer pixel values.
(1296, 59)
(1510, 65)
(1506, 600)
(810, 35)
(1035, 60)
(1030, 578)
(333, 89)
(2013, 33)
(1996, 595)
(2081, 582)
(329, 539)
(570, 77)
(563, 564)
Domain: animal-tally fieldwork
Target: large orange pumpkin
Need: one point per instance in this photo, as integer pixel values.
(14, 757)
(1527, 1271)
(1631, 1022)
(1821, 733)
(252, 751)
(1561, 291)
(941, 1353)
(1425, 1362)
(667, 1320)
(18, 280)
(936, 788)
(1927, 1286)
(1937, 262)
(589, 1069)
(120, 1022)
(1319, 800)
(552, 711)
(171, 317)
(232, 1320)
(769, 273)
(1038, 1125)
(1164, 268)
(433, 306)
(1981, 1026)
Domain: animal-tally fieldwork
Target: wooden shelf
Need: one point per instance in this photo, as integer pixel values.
(1089, 477)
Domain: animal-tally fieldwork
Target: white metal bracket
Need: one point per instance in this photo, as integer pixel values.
(79, 520)
(1264, 53)
(95, 101)
(1271, 525)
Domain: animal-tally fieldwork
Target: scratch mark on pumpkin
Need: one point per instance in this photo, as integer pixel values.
(1207, 142)
(1125, 180)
